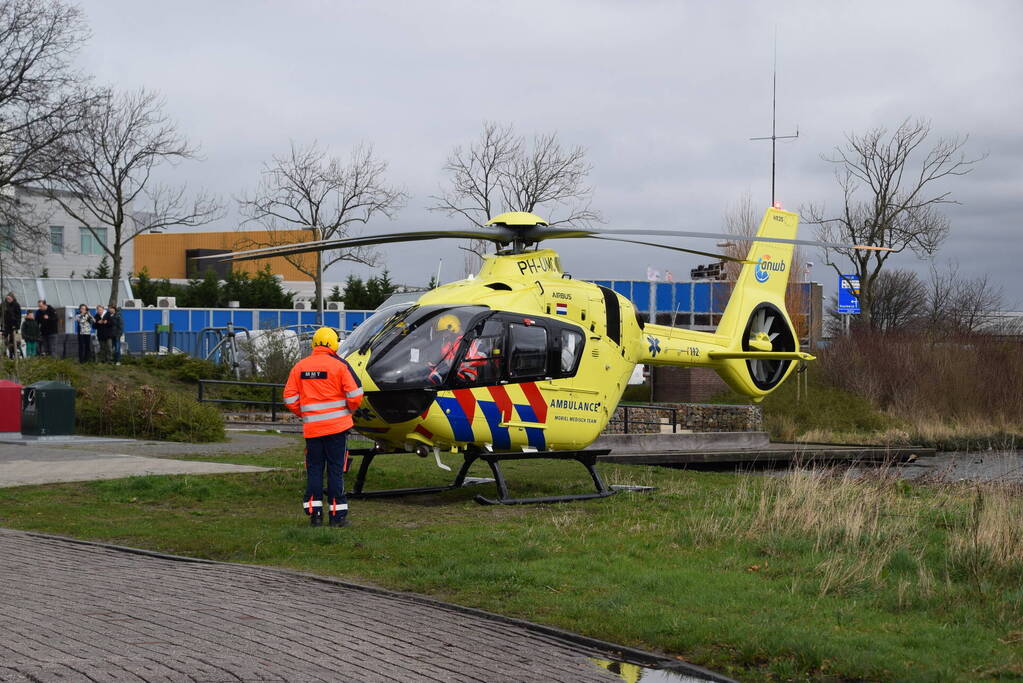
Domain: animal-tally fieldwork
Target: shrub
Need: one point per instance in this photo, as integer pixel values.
(146, 412)
(180, 366)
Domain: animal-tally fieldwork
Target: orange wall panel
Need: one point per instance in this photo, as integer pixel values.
(163, 254)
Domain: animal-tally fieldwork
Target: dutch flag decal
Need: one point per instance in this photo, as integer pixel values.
(561, 309)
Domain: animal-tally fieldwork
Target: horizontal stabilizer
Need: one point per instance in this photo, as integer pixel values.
(761, 355)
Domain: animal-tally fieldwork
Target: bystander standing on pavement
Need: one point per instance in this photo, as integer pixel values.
(47, 319)
(324, 391)
(117, 329)
(30, 333)
(12, 324)
(104, 333)
(83, 327)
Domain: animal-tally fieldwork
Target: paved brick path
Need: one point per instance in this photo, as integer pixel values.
(80, 612)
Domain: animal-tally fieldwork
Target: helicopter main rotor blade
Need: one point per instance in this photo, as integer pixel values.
(500, 237)
(723, 257)
(741, 238)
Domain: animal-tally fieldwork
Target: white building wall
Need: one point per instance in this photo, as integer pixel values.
(69, 256)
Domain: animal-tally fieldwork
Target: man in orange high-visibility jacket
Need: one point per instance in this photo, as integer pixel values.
(324, 391)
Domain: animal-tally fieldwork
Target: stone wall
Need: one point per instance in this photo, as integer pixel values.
(693, 417)
(685, 384)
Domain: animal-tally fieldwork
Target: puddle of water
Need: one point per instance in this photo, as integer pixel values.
(633, 673)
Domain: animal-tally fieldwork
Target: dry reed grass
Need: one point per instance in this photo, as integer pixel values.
(875, 531)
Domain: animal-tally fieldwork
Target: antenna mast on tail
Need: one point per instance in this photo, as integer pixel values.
(774, 137)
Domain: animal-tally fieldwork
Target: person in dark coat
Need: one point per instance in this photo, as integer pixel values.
(12, 323)
(47, 319)
(83, 324)
(104, 333)
(117, 328)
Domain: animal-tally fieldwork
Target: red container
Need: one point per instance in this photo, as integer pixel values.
(10, 407)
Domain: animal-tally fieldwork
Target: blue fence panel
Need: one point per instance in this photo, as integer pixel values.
(243, 319)
(289, 318)
(641, 295)
(332, 319)
(721, 293)
(354, 319)
(200, 319)
(701, 297)
(178, 319)
(308, 317)
(664, 297)
(221, 318)
(683, 297)
(603, 283)
(150, 319)
(132, 319)
(623, 287)
(268, 320)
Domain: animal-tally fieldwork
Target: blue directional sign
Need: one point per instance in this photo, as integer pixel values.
(848, 294)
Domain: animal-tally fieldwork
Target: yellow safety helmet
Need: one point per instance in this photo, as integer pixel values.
(325, 336)
(449, 322)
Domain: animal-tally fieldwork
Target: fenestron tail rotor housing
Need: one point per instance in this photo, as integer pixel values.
(768, 330)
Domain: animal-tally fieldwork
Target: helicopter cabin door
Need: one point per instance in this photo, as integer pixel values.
(515, 367)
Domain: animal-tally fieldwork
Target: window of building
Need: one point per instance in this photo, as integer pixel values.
(93, 240)
(56, 239)
(6, 238)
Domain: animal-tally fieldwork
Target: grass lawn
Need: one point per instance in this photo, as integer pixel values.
(801, 577)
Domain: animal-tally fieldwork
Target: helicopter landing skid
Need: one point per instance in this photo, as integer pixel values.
(587, 459)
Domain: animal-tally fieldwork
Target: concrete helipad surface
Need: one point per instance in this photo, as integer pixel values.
(74, 611)
(44, 461)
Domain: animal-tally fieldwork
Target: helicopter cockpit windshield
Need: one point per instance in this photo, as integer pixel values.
(371, 326)
(418, 348)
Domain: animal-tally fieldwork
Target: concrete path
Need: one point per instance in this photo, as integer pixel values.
(43, 462)
(74, 611)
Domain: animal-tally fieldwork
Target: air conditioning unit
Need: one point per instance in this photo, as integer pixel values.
(303, 305)
(133, 303)
(166, 302)
(335, 305)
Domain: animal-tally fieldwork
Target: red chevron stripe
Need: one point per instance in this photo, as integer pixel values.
(467, 401)
(503, 401)
(536, 401)
(424, 431)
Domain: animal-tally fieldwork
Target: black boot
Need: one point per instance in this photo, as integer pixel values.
(339, 521)
(316, 519)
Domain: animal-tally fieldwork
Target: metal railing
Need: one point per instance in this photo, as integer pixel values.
(273, 391)
(627, 420)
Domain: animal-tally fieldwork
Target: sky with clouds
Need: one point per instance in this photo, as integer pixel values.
(663, 95)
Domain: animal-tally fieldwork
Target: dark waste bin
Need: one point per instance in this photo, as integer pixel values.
(48, 409)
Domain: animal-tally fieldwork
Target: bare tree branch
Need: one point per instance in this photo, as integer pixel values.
(499, 172)
(308, 190)
(886, 200)
(103, 175)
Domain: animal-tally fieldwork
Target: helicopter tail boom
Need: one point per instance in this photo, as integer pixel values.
(754, 347)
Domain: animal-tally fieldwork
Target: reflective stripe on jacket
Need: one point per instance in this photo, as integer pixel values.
(324, 391)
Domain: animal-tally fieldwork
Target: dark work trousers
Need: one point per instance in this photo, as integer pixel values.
(326, 451)
(84, 348)
(49, 346)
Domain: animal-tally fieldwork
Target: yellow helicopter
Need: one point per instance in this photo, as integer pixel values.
(522, 361)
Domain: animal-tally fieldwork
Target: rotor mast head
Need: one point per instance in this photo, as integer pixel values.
(522, 225)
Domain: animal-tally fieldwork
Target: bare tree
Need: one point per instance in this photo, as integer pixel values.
(960, 306)
(309, 190)
(105, 174)
(40, 102)
(499, 172)
(899, 301)
(890, 198)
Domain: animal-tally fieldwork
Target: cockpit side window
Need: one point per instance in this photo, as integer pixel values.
(571, 351)
(527, 351)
